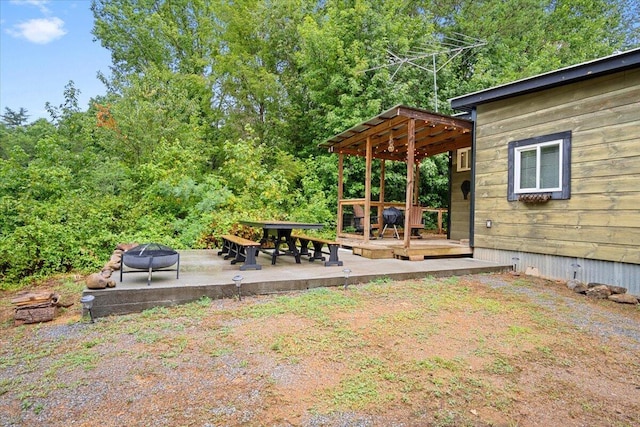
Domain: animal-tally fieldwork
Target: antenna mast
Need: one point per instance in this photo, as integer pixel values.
(449, 47)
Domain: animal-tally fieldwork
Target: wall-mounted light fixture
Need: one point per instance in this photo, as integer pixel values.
(466, 188)
(489, 223)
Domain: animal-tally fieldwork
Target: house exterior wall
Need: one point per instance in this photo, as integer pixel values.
(601, 220)
(460, 209)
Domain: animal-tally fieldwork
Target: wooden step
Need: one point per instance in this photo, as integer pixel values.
(420, 253)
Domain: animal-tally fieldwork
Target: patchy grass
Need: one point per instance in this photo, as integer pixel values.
(444, 352)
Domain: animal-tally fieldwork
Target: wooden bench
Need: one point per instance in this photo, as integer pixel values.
(241, 250)
(318, 243)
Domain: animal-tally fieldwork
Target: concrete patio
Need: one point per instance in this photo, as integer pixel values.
(205, 274)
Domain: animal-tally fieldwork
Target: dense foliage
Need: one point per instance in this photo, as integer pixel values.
(214, 111)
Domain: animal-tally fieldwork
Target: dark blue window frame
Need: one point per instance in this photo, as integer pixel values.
(563, 194)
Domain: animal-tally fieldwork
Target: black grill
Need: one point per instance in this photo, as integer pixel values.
(392, 216)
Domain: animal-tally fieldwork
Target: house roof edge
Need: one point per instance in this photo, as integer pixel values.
(574, 73)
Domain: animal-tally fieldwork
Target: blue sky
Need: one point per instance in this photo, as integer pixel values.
(43, 45)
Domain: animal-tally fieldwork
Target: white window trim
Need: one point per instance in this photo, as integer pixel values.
(565, 175)
(460, 166)
(537, 147)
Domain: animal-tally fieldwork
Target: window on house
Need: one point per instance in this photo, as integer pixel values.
(540, 165)
(464, 159)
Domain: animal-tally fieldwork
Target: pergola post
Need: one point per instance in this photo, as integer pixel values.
(367, 191)
(411, 150)
(380, 207)
(340, 193)
(416, 186)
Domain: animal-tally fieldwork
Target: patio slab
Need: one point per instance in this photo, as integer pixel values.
(205, 274)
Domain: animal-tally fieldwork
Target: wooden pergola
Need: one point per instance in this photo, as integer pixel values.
(402, 134)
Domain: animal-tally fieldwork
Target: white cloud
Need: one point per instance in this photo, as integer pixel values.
(40, 4)
(40, 31)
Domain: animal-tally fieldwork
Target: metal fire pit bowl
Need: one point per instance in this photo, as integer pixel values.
(148, 258)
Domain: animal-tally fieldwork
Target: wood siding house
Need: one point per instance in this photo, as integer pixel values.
(555, 172)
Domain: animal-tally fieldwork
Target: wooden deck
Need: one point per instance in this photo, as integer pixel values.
(429, 246)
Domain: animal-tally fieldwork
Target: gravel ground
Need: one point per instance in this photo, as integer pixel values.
(582, 313)
(214, 369)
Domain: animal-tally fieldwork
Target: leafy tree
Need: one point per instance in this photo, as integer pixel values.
(155, 109)
(527, 37)
(176, 35)
(342, 56)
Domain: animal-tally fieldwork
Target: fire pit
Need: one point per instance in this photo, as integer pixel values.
(150, 257)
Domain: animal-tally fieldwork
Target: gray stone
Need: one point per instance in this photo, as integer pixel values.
(623, 298)
(617, 289)
(601, 292)
(580, 288)
(612, 288)
(571, 284)
(594, 284)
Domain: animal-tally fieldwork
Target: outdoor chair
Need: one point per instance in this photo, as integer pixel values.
(417, 221)
(358, 220)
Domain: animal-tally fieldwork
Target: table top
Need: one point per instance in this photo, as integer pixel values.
(283, 225)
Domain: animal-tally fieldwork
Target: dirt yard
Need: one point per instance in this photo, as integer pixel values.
(481, 350)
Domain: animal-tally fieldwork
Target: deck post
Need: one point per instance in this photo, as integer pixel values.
(339, 222)
(411, 150)
(367, 192)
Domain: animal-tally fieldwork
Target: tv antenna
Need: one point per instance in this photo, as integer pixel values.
(448, 47)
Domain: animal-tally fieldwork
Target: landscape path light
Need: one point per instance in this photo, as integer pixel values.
(346, 272)
(575, 266)
(515, 260)
(237, 279)
(87, 304)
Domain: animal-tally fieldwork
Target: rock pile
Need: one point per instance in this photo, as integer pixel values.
(103, 279)
(603, 291)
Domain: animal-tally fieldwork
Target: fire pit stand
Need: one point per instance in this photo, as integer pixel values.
(150, 257)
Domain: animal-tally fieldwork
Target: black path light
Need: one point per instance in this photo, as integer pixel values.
(515, 260)
(575, 266)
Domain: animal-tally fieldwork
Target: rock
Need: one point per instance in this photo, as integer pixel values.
(594, 284)
(617, 289)
(111, 283)
(580, 288)
(116, 257)
(112, 265)
(571, 284)
(96, 281)
(126, 246)
(106, 273)
(624, 298)
(601, 292)
(612, 288)
(532, 271)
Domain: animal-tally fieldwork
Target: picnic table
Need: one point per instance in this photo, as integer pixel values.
(278, 233)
